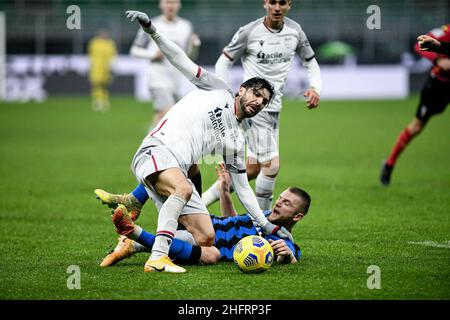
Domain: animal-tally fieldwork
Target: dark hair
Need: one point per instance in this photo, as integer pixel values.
(259, 83)
(302, 194)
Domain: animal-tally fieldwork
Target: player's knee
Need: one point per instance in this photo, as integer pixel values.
(209, 255)
(206, 238)
(416, 126)
(184, 190)
(272, 169)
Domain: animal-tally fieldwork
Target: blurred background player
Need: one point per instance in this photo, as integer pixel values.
(165, 80)
(267, 47)
(434, 98)
(102, 51)
(291, 207)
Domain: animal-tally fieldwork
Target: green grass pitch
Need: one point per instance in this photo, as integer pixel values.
(53, 155)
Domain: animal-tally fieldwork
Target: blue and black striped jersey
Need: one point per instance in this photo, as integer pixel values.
(229, 230)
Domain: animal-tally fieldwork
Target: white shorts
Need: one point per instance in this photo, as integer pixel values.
(194, 206)
(262, 136)
(157, 157)
(163, 98)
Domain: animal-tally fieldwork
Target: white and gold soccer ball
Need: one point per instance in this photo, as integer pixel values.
(253, 254)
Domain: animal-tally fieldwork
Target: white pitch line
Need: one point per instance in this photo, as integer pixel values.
(435, 244)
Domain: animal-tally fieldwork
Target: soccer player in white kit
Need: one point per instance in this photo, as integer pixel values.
(164, 80)
(205, 121)
(267, 47)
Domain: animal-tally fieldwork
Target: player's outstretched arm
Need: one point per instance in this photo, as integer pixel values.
(177, 57)
(248, 200)
(223, 67)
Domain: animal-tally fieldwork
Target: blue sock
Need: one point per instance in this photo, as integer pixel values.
(140, 194)
(179, 249)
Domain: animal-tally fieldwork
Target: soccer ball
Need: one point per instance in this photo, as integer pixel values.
(253, 254)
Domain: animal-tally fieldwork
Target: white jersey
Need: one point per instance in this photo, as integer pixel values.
(202, 123)
(161, 74)
(268, 53)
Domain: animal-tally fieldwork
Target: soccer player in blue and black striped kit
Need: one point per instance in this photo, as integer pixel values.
(290, 207)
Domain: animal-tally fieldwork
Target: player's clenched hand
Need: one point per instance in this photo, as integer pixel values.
(142, 18)
(312, 98)
(427, 42)
(270, 228)
(282, 251)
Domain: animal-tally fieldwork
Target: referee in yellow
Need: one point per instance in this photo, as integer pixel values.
(102, 51)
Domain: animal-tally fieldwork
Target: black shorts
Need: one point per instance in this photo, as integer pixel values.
(434, 98)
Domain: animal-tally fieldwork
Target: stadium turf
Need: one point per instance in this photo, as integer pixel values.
(53, 155)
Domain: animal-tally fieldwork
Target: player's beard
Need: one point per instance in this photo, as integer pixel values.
(245, 112)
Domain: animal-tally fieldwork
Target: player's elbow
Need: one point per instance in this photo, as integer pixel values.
(210, 255)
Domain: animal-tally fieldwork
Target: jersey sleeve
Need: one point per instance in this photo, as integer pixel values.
(295, 249)
(208, 81)
(235, 161)
(142, 39)
(238, 44)
(304, 50)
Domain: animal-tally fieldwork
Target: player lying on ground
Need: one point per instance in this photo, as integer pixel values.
(291, 206)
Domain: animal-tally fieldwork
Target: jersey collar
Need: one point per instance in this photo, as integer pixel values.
(270, 29)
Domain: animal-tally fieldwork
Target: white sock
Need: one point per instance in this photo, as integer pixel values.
(264, 191)
(185, 236)
(212, 194)
(167, 226)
